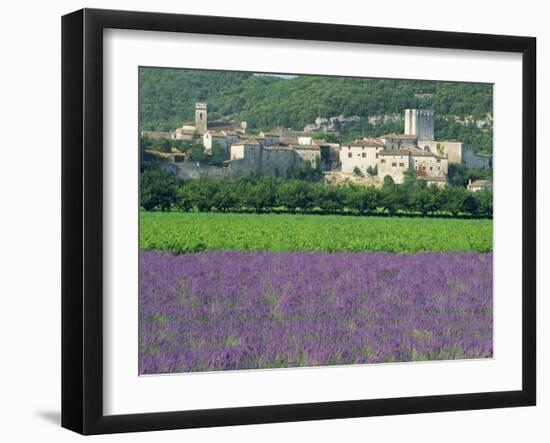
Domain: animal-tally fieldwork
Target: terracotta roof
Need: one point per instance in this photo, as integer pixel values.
(288, 140)
(309, 133)
(278, 148)
(394, 152)
(279, 130)
(271, 134)
(249, 137)
(417, 152)
(216, 133)
(400, 136)
(185, 131)
(306, 147)
(365, 142)
(248, 141)
(481, 183)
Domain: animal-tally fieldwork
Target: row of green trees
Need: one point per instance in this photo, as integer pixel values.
(160, 190)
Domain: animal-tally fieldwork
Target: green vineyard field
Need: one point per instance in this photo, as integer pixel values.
(195, 232)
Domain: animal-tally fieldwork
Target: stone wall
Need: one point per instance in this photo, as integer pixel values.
(473, 160)
(224, 141)
(277, 162)
(457, 152)
(310, 153)
(430, 166)
(361, 157)
(453, 150)
(394, 166)
(190, 171)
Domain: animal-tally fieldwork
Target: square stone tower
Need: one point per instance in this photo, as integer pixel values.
(200, 117)
(420, 122)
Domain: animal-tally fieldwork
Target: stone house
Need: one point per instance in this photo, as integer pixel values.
(311, 153)
(362, 154)
(250, 156)
(394, 162)
(428, 164)
(224, 138)
(479, 185)
(249, 149)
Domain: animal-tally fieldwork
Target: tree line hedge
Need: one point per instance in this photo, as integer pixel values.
(161, 190)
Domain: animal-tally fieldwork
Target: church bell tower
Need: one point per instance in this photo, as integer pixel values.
(200, 117)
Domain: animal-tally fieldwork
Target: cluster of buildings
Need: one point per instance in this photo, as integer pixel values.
(276, 152)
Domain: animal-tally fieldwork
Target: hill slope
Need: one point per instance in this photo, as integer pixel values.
(167, 98)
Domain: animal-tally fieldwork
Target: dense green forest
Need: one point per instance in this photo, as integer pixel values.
(167, 98)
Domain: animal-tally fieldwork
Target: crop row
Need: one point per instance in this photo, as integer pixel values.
(194, 232)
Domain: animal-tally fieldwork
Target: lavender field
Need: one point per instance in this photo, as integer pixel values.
(231, 310)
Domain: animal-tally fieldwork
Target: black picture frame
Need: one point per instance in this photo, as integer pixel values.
(82, 218)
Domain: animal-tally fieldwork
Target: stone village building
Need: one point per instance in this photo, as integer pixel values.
(415, 150)
(277, 151)
(479, 185)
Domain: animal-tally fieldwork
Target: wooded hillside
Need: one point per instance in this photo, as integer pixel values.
(168, 96)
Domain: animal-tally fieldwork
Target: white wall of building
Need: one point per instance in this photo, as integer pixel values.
(393, 165)
(429, 165)
(361, 157)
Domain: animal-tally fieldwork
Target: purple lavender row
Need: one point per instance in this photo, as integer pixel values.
(232, 310)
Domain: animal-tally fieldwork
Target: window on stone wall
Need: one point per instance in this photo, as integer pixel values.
(383, 160)
(364, 155)
(349, 154)
(402, 165)
(394, 164)
(431, 168)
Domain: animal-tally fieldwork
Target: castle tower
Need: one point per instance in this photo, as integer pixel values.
(420, 122)
(200, 117)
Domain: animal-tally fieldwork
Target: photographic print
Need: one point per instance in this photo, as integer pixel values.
(309, 220)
